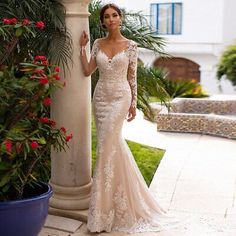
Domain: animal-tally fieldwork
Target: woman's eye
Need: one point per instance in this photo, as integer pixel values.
(107, 16)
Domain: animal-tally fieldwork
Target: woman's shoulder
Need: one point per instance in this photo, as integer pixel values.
(98, 40)
(96, 43)
(130, 41)
(132, 44)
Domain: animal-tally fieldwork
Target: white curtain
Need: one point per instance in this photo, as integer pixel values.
(164, 19)
(177, 18)
(153, 17)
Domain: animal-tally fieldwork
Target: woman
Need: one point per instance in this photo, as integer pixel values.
(121, 200)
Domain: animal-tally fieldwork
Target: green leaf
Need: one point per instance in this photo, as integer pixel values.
(5, 179)
(42, 141)
(19, 32)
(17, 26)
(31, 65)
(6, 188)
(4, 166)
(27, 146)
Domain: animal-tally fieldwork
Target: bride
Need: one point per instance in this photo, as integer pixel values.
(121, 200)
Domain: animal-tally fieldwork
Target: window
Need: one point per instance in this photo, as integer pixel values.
(166, 18)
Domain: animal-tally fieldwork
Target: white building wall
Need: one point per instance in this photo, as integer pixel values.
(229, 22)
(202, 20)
(207, 27)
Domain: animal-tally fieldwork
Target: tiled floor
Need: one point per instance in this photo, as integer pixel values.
(196, 179)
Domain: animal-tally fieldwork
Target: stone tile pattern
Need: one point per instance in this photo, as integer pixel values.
(205, 116)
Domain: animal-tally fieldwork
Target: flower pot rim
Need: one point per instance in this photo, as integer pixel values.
(28, 200)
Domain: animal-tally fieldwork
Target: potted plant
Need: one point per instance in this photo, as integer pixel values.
(26, 131)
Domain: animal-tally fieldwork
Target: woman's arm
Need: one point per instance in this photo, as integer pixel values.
(132, 79)
(88, 67)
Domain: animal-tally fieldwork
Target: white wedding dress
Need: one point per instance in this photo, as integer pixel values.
(121, 200)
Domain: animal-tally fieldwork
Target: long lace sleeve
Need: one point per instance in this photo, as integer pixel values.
(132, 72)
(95, 49)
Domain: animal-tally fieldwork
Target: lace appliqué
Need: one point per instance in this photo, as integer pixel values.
(122, 217)
(95, 49)
(122, 66)
(132, 72)
(109, 170)
(121, 200)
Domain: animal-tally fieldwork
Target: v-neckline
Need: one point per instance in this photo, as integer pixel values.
(116, 54)
(111, 59)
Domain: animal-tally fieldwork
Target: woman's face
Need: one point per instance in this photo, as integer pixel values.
(111, 19)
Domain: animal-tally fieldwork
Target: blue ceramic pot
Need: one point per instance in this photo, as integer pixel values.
(25, 217)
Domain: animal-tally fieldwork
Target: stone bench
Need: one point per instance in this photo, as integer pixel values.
(205, 116)
(203, 106)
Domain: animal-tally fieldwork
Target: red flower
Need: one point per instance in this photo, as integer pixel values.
(13, 20)
(9, 21)
(44, 119)
(56, 77)
(45, 62)
(47, 101)
(69, 137)
(57, 69)
(25, 22)
(63, 129)
(6, 21)
(40, 25)
(40, 58)
(43, 80)
(8, 145)
(34, 145)
(52, 123)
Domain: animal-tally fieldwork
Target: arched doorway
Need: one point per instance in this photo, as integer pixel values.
(179, 68)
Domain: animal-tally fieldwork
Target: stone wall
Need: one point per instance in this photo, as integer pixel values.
(206, 116)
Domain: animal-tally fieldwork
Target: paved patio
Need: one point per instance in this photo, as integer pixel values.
(196, 179)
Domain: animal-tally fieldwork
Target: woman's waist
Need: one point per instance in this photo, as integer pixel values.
(113, 85)
(113, 80)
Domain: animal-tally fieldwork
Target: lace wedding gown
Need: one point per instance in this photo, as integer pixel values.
(121, 200)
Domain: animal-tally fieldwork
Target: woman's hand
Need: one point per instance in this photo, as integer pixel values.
(132, 113)
(83, 39)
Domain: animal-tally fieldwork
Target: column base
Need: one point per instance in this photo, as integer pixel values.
(70, 198)
(81, 215)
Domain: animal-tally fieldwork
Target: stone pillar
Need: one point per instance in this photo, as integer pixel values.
(71, 170)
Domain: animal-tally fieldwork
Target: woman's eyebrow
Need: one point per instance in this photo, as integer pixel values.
(107, 14)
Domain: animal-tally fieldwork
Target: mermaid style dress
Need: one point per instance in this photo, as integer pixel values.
(121, 200)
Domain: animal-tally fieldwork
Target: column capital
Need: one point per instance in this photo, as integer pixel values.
(76, 7)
